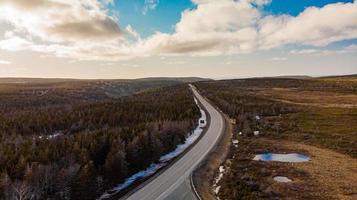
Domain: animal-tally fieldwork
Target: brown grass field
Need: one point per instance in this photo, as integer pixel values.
(316, 117)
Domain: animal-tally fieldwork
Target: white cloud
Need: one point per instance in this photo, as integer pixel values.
(352, 47)
(84, 30)
(314, 26)
(176, 62)
(279, 59)
(61, 21)
(15, 44)
(5, 62)
(324, 52)
(228, 27)
(149, 5)
(304, 51)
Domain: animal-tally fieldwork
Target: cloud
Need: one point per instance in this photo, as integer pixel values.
(5, 62)
(352, 47)
(84, 30)
(324, 52)
(61, 21)
(31, 4)
(314, 26)
(97, 29)
(149, 5)
(218, 27)
(304, 51)
(15, 44)
(279, 59)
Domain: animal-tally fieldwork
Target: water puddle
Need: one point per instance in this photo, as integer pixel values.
(291, 157)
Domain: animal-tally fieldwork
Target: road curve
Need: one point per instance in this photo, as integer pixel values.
(174, 182)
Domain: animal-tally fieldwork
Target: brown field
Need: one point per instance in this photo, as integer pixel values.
(316, 117)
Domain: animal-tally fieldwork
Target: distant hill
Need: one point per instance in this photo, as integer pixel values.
(180, 79)
(286, 77)
(57, 80)
(350, 77)
(294, 77)
(68, 91)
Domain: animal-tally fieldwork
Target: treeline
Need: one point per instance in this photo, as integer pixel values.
(25, 94)
(100, 144)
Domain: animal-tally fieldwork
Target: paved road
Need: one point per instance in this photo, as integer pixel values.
(174, 182)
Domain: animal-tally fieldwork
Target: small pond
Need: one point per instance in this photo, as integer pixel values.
(291, 157)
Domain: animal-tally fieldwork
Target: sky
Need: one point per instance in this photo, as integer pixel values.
(177, 38)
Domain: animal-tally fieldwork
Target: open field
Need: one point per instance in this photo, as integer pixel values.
(316, 117)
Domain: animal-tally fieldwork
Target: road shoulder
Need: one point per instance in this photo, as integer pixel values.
(202, 177)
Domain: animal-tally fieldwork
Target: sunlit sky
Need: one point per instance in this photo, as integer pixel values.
(151, 38)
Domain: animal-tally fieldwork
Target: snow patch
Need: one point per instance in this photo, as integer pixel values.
(216, 190)
(216, 187)
(142, 174)
(52, 136)
(282, 179)
(235, 143)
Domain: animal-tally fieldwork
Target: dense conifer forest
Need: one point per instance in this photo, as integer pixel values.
(78, 149)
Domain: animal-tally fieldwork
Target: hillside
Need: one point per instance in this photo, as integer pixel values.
(25, 93)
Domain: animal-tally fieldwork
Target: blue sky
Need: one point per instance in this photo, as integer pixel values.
(207, 38)
(162, 18)
(168, 12)
(294, 7)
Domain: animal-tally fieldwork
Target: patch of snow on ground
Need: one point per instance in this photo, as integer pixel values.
(142, 174)
(291, 157)
(52, 136)
(163, 159)
(235, 143)
(221, 169)
(216, 190)
(220, 176)
(282, 179)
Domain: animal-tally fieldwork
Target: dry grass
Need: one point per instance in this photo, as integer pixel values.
(319, 119)
(329, 175)
(314, 98)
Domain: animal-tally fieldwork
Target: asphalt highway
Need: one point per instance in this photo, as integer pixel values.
(174, 182)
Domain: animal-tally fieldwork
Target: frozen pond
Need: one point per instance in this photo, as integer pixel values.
(291, 157)
(154, 167)
(282, 179)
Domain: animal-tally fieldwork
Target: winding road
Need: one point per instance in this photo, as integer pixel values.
(174, 182)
